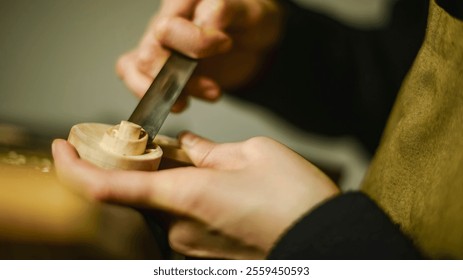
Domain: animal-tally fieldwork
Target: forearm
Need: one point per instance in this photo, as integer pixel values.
(350, 226)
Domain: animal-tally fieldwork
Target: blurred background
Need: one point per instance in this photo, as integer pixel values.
(57, 63)
(57, 69)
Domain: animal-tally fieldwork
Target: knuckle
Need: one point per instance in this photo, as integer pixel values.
(144, 58)
(161, 28)
(257, 148)
(256, 143)
(205, 156)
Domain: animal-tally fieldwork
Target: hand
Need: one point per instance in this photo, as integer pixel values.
(236, 203)
(231, 38)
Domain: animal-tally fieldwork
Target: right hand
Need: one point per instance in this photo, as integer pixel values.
(231, 38)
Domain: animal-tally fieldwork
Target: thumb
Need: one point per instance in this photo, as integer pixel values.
(199, 149)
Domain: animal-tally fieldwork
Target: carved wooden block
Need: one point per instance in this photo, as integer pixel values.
(124, 146)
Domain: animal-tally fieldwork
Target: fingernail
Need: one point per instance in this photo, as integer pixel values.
(187, 139)
(54, 145)
(212, 93)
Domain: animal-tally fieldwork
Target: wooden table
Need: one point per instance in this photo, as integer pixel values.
(41, 219)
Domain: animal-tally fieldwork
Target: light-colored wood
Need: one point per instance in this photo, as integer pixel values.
(104, 146)
(30, 198)
(124, 147)
(172, 153)
(39, 218)
(126, 138)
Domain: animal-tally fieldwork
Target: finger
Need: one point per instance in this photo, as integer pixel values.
(149, 47)
(69, 166)
(203, 87)
(193, 238)
(207, 154)
(182, 8)
(189, 192)
(219, 14)
(200, 150)
(183, 191)
(94, 182)
(150, 57)
(213, 13)
(235, 17)
(128, 71)
(182, 35)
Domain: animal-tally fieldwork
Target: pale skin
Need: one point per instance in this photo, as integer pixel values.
(231, 39)
(235, 204)
(239, 198)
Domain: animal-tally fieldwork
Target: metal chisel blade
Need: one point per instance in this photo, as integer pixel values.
(154, 107)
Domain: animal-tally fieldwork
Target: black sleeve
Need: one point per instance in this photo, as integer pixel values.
(350, 226)
(329, 78)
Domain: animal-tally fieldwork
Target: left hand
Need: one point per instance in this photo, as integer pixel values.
(235, 204)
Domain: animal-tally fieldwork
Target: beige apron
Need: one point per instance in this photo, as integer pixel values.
(417, 173)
